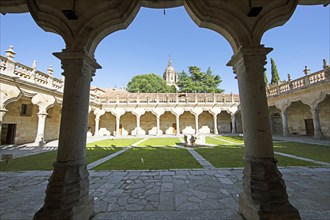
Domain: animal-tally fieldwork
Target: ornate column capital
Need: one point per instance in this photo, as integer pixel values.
(77, 61)
(98, 113)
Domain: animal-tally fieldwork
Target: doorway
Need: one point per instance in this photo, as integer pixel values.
(8, 132)
(309, 127)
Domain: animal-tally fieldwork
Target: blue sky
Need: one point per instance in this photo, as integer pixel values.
(145, 46)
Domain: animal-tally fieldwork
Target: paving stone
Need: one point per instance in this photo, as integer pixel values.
(166, 201)
(167, 187)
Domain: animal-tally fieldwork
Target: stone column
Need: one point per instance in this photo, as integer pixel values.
(177, 120)
(284, 115)
(118, 112)
(158, 124)
(117, 125)
(233, 122)
(40, 138)
(67, 194)
(98, 113)
(177, 112)
(264, 193)
(158, 112)
(215, 121)
(316, 122)
(138, 112)
(138, 125)
(196, 112)
(215, 111)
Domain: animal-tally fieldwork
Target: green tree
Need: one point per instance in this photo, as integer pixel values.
(198, 81)
(265, 78)
(275, 76)
(148, 83)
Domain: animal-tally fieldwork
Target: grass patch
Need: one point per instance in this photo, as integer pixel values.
(232, 156)
(288, 161)
(154, 158)
(223, 156)
(233, 139)
(44, 161)
(215, 141)
(156, 142)
(121, 142)
(311, 151)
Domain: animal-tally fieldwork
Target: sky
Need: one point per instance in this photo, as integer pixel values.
(146, 45)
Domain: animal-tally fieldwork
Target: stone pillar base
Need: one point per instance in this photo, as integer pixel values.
(264, 193)
(67, 194)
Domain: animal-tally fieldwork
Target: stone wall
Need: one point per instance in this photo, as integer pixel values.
(128, 121)
(26, 126)
(166, 121)
(52, 125)
(206, 119)
(108, 121)
(297, 114)
(224, 122)
(148, 121)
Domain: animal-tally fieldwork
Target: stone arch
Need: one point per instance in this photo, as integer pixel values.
(128, 122)
(300, 120)
(276, 120)
(148, 121)
(108, 122)
(224, 122)
(22, 120)
(168, 122)
(205, 123)
(187, 122)
(53, 120)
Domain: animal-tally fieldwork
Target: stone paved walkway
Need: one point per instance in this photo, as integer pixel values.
(168, 194)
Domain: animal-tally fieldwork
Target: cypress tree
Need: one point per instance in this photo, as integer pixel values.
(265, 78)
(275, 76)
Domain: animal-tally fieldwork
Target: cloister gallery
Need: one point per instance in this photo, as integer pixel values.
(33, 99)
(70, 109)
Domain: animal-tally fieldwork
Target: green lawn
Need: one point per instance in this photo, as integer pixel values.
(121, 142)
(224, 156)
(215, 141)
(156, 142)
(151, 158)
(44, 161)
(311, 151)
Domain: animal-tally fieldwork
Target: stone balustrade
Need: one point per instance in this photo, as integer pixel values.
(303, 82)
(30, 74)
(170, 98)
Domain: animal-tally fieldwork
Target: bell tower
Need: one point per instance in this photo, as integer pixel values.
(170, 76)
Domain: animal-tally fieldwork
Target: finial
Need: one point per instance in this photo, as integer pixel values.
(34, 65)
(10, 53)
(50, 70)
(169, 61)
(325, 64)
(289, 77)
(306, 70)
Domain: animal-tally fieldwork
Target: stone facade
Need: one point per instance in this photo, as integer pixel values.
(297, 104)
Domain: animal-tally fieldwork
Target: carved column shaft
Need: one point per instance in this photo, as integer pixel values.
(233, 124)
(264, 193)
(158, 124)
(284, 115)
(67, 194)
(117, 125)
(178, 125)
(316, 123)
(215, 123)
(40, 138)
